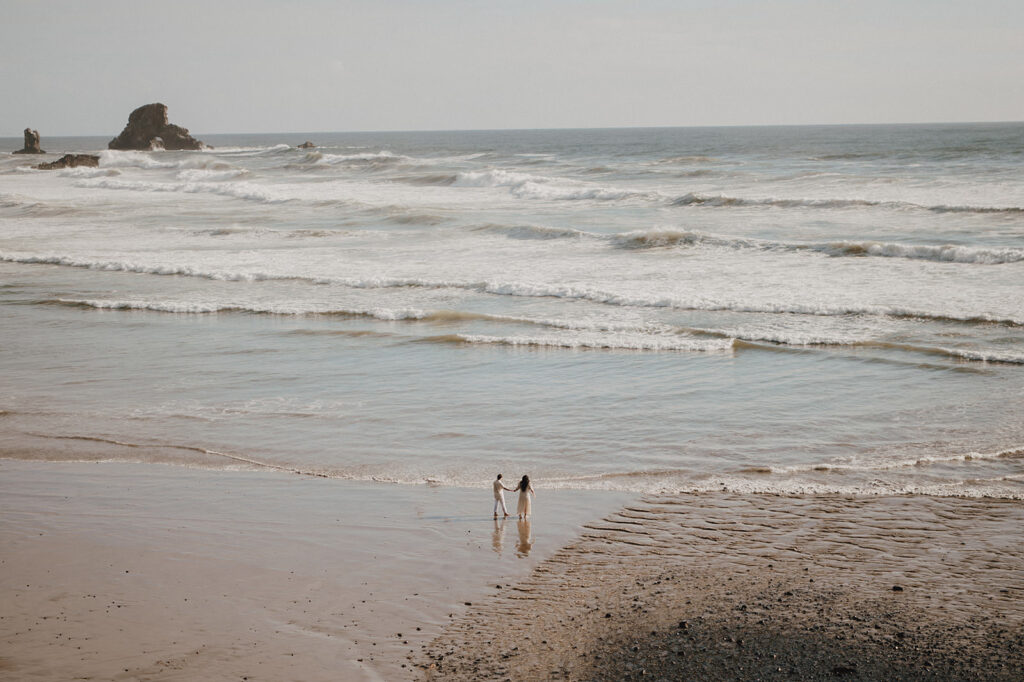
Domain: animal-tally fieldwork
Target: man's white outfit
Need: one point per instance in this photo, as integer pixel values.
(499, 497)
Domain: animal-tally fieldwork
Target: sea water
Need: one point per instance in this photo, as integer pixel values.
(786, 309)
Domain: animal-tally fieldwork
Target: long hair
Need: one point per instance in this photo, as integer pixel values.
(524, 484)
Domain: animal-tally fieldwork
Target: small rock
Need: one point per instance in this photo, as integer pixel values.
(71, 161)
(897, 588)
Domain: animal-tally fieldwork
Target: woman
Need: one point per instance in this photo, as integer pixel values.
(525, 490)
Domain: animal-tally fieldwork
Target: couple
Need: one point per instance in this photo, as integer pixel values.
(525, 490)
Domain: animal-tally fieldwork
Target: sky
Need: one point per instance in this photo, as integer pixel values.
(222, 66)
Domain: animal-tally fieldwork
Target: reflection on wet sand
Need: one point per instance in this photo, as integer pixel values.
(525, 537)
(498, 537)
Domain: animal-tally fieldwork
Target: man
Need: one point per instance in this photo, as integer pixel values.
(499, 496)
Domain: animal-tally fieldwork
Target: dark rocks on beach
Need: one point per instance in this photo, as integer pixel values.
(148, 129)
(31, 143)
(307, 145)
(71, 161)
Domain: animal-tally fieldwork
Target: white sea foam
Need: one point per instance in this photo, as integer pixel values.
(240, 190)
(253, 150)
(84, 172)
(900, 462)
(205, 308)
(381, 157)
(526, 186)
(208, 175)
(530, 289)
(876, 487)
(495, 178)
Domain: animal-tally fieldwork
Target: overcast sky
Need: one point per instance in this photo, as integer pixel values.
(78, 68)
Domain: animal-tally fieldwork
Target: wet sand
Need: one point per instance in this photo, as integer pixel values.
(151, 572)
(726, 587)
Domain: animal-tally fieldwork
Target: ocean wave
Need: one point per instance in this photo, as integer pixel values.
(796, 486)
(210, 175)
(942, 253)
(566, 192)
(901, 463)
(527, 186)
(532, 231)
(240, 190)
(654, 239)
(720, 200)
(196, 308)
(243, 151)
(110, 158)
(674, 160)
(635, 342)
(528, 290)
(20, 207)
(380, 158)
(496, 178)
(84, 172)
(805, 340)
(436, 179)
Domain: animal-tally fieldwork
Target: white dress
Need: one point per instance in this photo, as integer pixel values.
(523, 507)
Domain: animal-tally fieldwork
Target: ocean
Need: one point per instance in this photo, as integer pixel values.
(814, 309)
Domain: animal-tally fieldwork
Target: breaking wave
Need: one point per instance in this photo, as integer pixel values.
(901, 463)
(210, 175)
(526, 289)
(240, 190)
(590, 334)
(712, 200)
(110, 158)
(943, 253)
(595, 341)
(527, 186)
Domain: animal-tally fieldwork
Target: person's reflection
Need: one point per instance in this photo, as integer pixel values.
(498, 538)
(525, 537)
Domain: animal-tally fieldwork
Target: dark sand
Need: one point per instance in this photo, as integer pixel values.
(730, 587)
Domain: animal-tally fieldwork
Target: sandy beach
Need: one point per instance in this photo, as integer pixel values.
(143, 572)
(727, 587)
(130, 572)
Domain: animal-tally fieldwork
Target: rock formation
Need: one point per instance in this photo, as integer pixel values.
(31, 143)
(71, 161)
(148, 129)
(307, 145)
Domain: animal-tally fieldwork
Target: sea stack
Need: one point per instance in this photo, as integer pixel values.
(148, 129)
(31, 143)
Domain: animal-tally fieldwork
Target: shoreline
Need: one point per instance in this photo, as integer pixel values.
(121, 571)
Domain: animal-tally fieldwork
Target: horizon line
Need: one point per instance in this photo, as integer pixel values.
(565, 128)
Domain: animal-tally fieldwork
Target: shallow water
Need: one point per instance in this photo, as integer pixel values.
(806, 309)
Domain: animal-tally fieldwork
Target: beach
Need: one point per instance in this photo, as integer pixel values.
(121, 572)
(717, 586)
(171, 574)
(254, 396)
